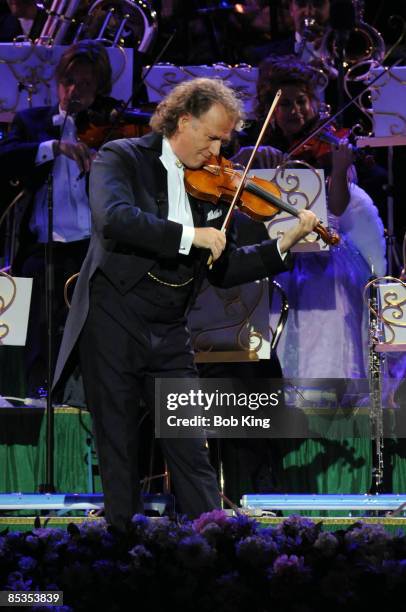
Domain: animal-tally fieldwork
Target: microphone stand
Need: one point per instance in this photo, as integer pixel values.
(49, 486)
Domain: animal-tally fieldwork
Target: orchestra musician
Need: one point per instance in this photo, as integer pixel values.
(325, 335)
(309, 19)
(146, 262)
(34, 147)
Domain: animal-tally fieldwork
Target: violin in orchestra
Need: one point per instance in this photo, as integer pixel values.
(260, 199)
(316, 149)
(109, 119)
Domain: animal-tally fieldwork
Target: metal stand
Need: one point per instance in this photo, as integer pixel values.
(48, 486)
(375, 391)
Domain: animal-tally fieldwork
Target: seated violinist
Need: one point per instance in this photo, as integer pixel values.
(40, 141)
(324, 290)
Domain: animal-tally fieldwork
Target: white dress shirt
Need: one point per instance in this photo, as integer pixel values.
(72, 219)
(26, 25)
(178, 202)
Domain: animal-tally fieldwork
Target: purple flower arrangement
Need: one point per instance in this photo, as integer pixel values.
(215, 563)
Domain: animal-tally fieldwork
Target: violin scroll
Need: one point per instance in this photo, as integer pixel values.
(328, 235)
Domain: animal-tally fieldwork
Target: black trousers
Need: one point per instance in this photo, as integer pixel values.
(126, 343)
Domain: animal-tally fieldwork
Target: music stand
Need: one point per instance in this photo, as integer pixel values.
(15, 298)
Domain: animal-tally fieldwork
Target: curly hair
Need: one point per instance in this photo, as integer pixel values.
(274, 72)
(87, 52)
(195, 97)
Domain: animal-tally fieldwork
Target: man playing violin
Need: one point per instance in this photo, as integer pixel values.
(147, 259)
(44, 140)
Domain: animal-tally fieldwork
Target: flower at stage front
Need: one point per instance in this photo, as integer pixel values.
(13, 543)
(16, 582)
(51, 557)
(32, 542)
(214, 563)
(93, 529)
(326, 543)
(241, 526)
(298, 525)
(256, 551)
(50, 534)
(140, 522)
(211, 531)
(165, 533)
(141, 556)
(27, 564)
(194, 551)
(288, 565)
(215, 516)
(366, 538)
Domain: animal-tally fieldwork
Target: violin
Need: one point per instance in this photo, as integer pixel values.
(99, 128)
(260, 199)
(315, 148)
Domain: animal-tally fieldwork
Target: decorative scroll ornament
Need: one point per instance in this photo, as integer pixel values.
(236, 309)
(289, 185)
(364, 42)
(392, 308)
(27, 73)
(364, 70)
(5, 304)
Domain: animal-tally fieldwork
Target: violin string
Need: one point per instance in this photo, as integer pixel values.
(267, 195)
(261, 192)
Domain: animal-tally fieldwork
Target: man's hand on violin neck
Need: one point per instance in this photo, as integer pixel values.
(78, 151)
(210, 238)
(306, 224)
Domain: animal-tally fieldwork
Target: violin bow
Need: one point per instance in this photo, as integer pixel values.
(241, 185)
